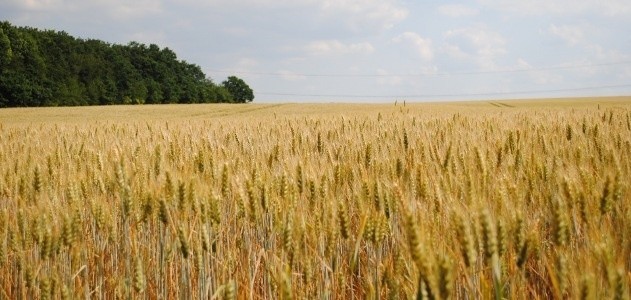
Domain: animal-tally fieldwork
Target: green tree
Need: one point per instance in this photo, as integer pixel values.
(5, 49)
(239, 90)
(50, 68)
(5, 59)
(154, 92)
(221, 95)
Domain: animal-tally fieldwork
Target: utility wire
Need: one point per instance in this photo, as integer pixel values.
(279, 74)
(448, 95)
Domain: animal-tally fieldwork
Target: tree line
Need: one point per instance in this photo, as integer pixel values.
(52, 68)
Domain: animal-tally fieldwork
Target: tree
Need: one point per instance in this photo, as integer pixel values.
(5, 49)
(50, 68)
(5, 59)
(239, 90)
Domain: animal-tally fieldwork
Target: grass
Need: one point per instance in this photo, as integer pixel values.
(501, 199)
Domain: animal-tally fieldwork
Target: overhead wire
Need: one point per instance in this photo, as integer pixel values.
(429, 74)
(422, 96)
(437, 74)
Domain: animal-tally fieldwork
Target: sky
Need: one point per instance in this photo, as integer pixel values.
(370, 50)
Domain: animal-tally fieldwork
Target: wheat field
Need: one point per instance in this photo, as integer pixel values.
(464, 200)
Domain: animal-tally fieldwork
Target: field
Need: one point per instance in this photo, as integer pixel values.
(474, 200)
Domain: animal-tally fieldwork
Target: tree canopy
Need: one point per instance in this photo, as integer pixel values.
(52, 68)
(238, 89)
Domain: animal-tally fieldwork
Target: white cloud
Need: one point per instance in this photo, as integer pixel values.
(522, 64)
(291, 76)
(241, 3)
(570, 34)
(421, 45)
(357, 14)
(562, 7)
(384, 13)
(477, 43)
(483, 41)
(454, 51)
(131, 9)
(387, 79)
(606, 54)
(148, 37)
(114, 8)
(457, 10)
(335, 47)
(293, 37)
(539, 77)
(36, 4)
(245, 65)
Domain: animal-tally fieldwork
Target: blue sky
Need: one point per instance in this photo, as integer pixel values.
(371, 50)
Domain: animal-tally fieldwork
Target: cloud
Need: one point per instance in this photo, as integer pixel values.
(148, 37)
(421, 45)
(606, 54)
(113, 8)
(477, 43)
(357, 15)
(457, 10)
(383, 13)
(36, 4)
(390, 37)
(291, 76)
(388, 79)
(561, 7)
(478, 40)
(570, 34)
(539, 77)
(133, 9)
(335, 47)
(245, 65)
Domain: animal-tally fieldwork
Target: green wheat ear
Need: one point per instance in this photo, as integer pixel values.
(343, 220)
(288, 241)
(230, 290)
(489, 237)
(466, 240)
(184, 245)
(561, 228)
(139, 276)
(445, 277)
(163, 212)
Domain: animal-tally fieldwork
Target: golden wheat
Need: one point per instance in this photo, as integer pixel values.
(465, 200)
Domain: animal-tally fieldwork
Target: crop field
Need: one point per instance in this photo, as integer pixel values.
(462, 200)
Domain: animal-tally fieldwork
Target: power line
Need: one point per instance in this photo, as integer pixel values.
(448, 95)
(506, 71)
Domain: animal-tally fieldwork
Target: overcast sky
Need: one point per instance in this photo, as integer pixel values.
(370, 50)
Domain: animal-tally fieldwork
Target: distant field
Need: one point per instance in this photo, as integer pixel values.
(206, 111)
(515, 199)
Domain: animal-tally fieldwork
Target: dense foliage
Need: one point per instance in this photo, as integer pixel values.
(238, 89)
(51, 68)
